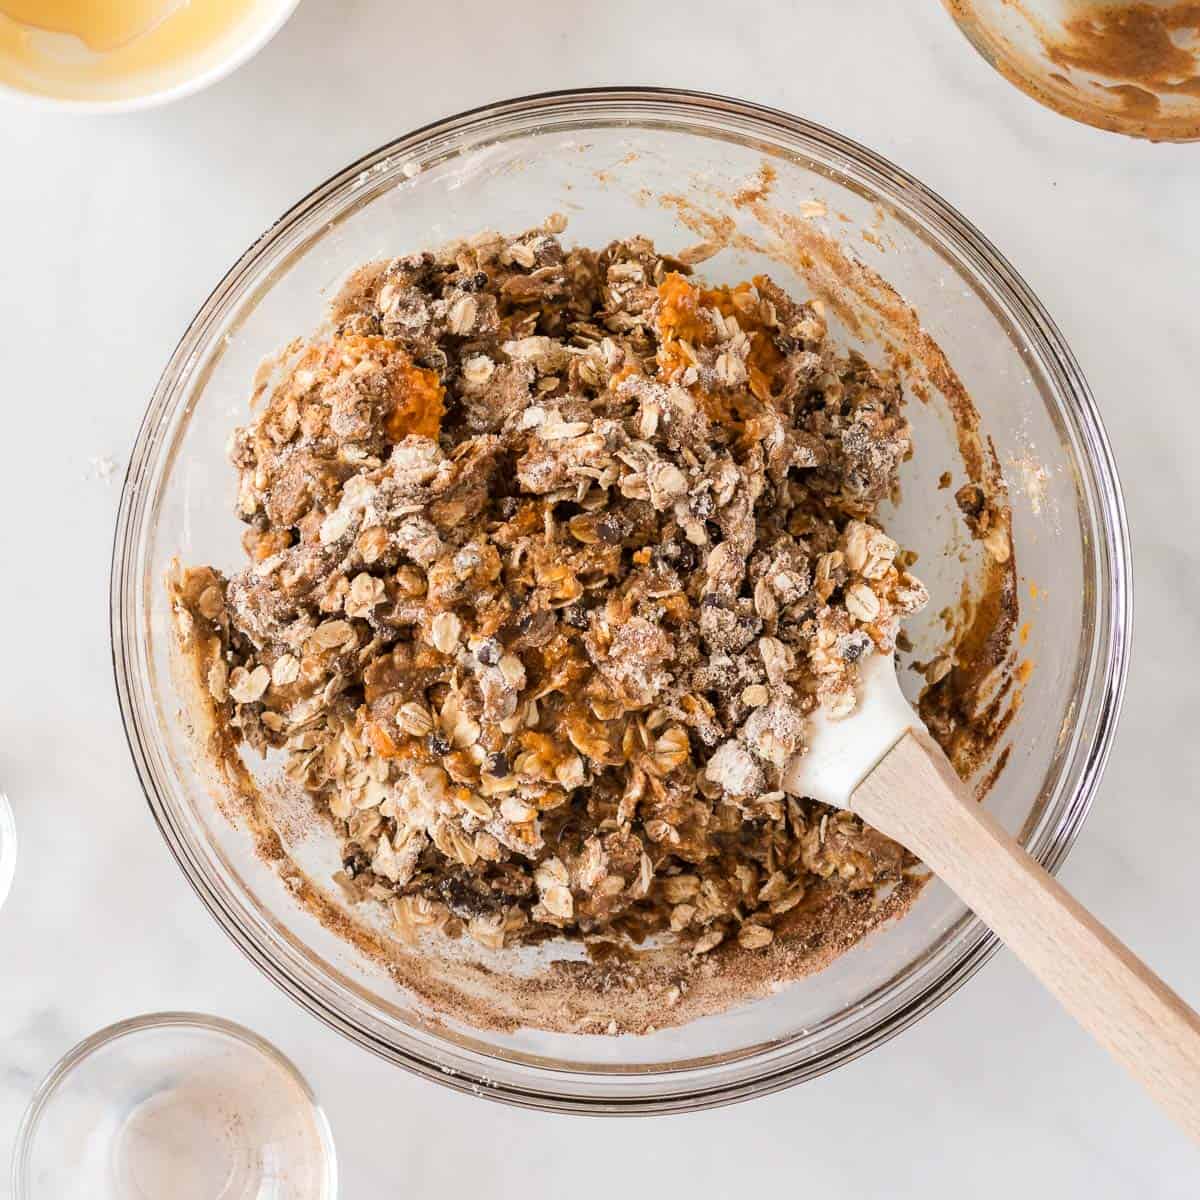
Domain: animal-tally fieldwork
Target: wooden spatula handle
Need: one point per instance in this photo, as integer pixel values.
(914, 797)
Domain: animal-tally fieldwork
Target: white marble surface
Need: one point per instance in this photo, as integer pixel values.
(113, 232)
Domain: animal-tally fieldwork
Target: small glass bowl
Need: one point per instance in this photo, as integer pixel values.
(1119, 65)
(620, 162)
(179, 1105)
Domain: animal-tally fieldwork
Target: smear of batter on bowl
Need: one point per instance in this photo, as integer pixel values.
(551, 555)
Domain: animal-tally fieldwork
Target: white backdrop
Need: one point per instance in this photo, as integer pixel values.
(113, 230)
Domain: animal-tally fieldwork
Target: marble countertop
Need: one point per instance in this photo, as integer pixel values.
(114, 231)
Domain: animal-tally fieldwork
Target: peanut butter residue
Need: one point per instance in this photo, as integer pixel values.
(1129, 68)
(1131, 42)
(1136, 46)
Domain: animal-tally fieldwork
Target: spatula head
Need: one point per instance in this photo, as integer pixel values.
(842, 751)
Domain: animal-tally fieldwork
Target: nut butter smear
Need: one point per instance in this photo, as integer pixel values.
(1131, 67)
(1151, 50)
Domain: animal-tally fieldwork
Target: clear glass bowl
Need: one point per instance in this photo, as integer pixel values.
(603, 157)
(174, 1104)
(1129, 66)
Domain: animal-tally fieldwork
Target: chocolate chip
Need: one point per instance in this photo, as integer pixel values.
(852, 646)
(609, 530)
(488, 652)
(465, 897)
(970, 499)
(355, 863)
(536, 628)
(497, 764)
(576, 616)
(438, 744)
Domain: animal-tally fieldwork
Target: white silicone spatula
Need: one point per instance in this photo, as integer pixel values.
(881, 764)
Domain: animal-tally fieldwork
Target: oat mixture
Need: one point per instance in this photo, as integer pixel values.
(551, 554)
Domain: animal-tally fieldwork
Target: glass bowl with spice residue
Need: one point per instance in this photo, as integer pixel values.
(1129, 66)
(1030, 623)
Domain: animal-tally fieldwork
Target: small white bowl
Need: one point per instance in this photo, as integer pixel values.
(135, 76)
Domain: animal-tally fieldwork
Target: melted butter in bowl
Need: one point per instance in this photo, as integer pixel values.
(101, 27)
(129, 53)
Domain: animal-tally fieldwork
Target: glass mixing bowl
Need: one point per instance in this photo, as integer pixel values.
(618, 162)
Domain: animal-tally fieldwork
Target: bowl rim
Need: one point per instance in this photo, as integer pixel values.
(1109, 658)
(239, 56)
(130, 1026)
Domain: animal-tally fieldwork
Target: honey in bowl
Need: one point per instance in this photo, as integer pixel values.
(121, 50)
